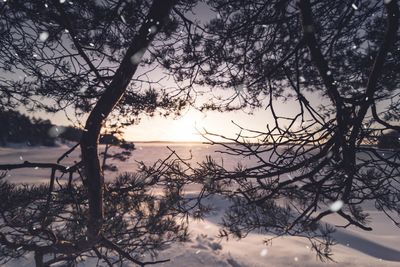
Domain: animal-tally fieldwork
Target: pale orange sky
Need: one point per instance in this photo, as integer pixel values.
(186, 128)
(189, 126)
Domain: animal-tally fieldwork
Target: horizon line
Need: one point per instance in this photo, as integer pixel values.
(167, 141)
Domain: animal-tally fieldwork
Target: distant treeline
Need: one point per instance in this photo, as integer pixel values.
(19, 128)
(389, 140)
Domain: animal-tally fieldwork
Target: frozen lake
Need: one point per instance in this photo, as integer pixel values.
(144, 152)
(380, 247)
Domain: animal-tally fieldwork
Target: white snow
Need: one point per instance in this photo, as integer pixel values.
(355, 248)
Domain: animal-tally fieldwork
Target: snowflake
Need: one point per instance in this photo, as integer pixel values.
(55, 131)
(286, 39)
(135, 59)
(152, 30)
(43, 36)
(239, 88)
(336, 206)
(123, 19)
(264, 252)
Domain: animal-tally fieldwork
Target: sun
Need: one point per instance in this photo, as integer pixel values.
(184, 130)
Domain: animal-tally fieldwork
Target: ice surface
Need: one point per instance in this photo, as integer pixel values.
(380, 247)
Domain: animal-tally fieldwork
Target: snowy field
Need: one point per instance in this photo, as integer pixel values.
(381, 247)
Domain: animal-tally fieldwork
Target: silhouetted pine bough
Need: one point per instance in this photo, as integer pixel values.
(112, 138)
(389, 140)
(84, 55)
(336, 65)
(142, 215)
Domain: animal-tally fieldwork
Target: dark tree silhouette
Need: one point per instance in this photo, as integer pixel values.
(18, 128)
(85, 55)
(112, 138)
(389, 140)
(323, 156)
(313, 164)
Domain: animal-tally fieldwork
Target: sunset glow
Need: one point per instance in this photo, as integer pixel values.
(184, 130)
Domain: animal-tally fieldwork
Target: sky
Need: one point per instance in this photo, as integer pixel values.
(190, 126)
(192, 123)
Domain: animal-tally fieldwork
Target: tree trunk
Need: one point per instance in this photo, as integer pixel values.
(158, 15)
(103, 165)
(38, 259)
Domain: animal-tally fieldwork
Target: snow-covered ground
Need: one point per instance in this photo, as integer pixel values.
(355, 248)
(381, 247)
